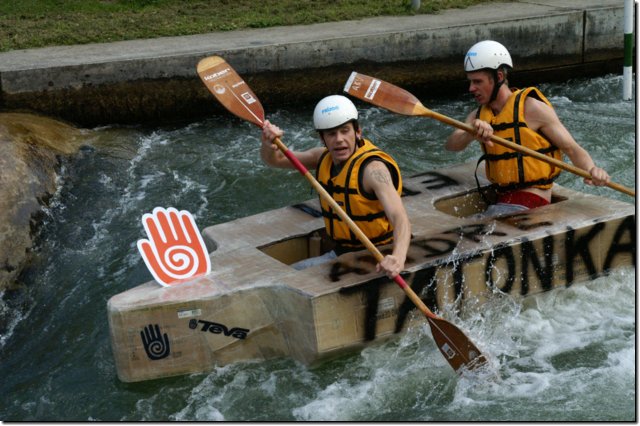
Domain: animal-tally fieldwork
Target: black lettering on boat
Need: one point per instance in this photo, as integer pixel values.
(408, 192)
(522, 221)
(372, 293)
(531, 256)
(624, 241)
(371, 296)
(504, 266)
(437, 180)
(311, 211)
(338, 269)
(435, 246)
(475, 232)
(423, 281)
(217, 328)
(361, 265)
(575, 247)
(505, 253)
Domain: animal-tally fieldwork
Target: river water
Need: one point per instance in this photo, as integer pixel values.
(566, 355)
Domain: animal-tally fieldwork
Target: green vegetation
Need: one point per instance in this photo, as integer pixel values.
(26, 24)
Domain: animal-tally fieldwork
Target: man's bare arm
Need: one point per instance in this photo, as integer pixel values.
(377, 179)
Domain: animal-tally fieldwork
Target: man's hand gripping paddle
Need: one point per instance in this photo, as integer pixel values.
(393, 98)
(235, 95)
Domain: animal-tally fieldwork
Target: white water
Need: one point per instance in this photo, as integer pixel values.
(565, 355)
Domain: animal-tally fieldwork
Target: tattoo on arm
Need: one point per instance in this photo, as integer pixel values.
(381, 176)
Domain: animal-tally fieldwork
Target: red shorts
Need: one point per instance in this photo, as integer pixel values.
(523, 198)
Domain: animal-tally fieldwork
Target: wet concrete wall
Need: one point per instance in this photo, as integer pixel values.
(151, 80)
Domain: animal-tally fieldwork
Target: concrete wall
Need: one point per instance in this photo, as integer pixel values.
(148, 80)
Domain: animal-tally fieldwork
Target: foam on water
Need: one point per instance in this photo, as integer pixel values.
(557, 356)
(570, 343)
(563, 355)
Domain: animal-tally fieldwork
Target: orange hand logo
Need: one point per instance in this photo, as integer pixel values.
(175, 251)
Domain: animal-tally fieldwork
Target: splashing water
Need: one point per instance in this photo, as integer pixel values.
(566, 355)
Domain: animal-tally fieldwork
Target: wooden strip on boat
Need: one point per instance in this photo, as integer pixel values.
(253, 305)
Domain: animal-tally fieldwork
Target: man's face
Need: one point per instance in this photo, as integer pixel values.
(480, 86)
(341, 142)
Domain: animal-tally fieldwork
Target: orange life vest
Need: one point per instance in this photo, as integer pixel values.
(508, 169)
(363, 208)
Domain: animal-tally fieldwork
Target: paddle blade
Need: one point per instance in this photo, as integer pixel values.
(230, 89)
(456, 348)
(384, 95)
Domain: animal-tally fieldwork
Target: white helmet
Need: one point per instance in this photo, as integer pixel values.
(487, 54)
(333, 111)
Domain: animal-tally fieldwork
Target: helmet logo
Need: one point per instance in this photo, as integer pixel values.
(468, 64)
(329, 109)
(333, 111)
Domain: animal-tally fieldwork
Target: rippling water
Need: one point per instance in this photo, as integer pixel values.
(565, 355)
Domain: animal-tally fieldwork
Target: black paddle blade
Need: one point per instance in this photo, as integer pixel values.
(230, 89)
(456, 348)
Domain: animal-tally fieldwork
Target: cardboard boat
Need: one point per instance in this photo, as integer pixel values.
(254, 305)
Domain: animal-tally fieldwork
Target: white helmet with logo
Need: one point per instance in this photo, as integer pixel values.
(487, 54)
(333, 111)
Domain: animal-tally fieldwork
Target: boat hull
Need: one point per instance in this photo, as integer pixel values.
(254, 305)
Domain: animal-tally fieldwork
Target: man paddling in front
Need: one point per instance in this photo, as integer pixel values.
(524, 117)
(362, 179)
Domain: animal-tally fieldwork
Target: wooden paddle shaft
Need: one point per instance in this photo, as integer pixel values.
(523, 149)
(352, 225)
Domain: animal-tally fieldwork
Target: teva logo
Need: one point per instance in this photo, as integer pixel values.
(329, 109)
(217, 75)
(216, 328)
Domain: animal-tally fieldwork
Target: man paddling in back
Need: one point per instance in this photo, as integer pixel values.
(362, 179)
(524, 117)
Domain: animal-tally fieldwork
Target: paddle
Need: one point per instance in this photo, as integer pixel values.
(235, 95)
(393, 98)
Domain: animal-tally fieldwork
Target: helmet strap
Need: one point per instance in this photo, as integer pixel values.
(496, 86)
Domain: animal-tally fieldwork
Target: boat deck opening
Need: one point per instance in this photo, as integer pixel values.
(301, 247)
(471, 202)
(316, 243)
